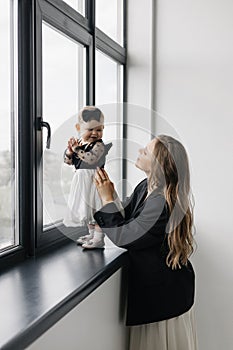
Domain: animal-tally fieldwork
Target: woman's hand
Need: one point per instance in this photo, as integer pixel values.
(104, 186)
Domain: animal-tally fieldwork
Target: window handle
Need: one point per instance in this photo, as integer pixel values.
(42, 124)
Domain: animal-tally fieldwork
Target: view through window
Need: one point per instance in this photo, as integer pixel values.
(71, 70)
(63, 95)
(109, 97)
(8, 116)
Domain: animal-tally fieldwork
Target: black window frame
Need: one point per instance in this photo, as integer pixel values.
(60, 15)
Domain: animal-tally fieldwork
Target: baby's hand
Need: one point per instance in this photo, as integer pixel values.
(71, 143)
(80, 142)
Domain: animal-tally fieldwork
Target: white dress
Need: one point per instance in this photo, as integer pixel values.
(84, 199)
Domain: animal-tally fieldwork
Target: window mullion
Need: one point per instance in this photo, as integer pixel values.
(26, 132)
(90, 66)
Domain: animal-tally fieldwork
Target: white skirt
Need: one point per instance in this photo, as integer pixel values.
(178, 333)
(83, 199)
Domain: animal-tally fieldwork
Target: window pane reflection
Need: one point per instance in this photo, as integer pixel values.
(8, 116)
(109, 97)
(78, 5)
(63, 96)
(109, 18)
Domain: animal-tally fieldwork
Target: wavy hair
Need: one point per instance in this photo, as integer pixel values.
(170, 175)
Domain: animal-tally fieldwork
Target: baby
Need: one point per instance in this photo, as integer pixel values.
(86, 154)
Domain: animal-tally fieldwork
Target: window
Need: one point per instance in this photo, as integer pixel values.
(63, 76)
(9, 236)
(109, 97)
(78, 5)
(64, 62)
(110, 21)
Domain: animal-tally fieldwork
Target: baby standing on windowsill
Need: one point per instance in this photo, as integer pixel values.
(86, 154)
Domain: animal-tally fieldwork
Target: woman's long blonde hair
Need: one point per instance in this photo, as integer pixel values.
(170, 174)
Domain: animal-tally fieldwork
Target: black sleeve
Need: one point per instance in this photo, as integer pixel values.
(136, 232)
(107, 147)
(68, 159)
(92, 155)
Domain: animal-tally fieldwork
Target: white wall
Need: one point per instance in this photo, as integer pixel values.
(96, 323)
(194, 85)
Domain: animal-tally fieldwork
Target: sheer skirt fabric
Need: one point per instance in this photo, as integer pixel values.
(178, 333)
(83, 199)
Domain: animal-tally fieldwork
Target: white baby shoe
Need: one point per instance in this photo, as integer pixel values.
(94, 243)
(83, 239)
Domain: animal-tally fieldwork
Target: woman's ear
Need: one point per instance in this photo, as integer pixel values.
(77, 127)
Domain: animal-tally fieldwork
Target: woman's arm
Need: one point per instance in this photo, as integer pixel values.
(137, 231)
(141, 231)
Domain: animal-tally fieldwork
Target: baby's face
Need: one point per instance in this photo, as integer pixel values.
(91, 131)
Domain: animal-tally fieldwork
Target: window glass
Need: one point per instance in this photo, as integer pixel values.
(8, 116)
(63, 69)
(109, 18)
(78, 5)
(109, 97)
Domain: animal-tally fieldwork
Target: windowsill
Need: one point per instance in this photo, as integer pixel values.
(39, 291)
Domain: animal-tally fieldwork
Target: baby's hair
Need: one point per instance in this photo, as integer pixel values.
(89, 113)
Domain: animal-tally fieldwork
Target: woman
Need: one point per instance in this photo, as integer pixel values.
(157, 232)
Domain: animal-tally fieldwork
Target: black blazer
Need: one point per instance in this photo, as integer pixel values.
(155, 291)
